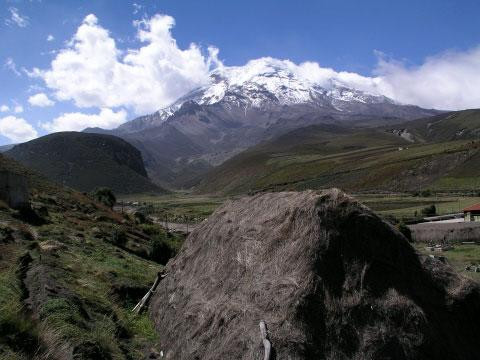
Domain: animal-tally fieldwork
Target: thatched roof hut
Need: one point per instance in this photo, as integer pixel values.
(330, 279)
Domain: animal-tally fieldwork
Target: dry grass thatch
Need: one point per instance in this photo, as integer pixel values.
(329, 277)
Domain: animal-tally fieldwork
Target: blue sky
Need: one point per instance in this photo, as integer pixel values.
(400, 41)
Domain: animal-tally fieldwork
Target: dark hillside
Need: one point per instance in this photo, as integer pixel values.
(86, 161)
(330, 279)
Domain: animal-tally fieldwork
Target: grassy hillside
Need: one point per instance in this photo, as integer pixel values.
(70, 273)
(458, 125)
(354, 160)
(86, 161)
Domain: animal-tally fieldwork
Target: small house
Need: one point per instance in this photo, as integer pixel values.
(472, 213)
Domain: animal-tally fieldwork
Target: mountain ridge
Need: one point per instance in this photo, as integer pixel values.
(86, 161)
(243, 106)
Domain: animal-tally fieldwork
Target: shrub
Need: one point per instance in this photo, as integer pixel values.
(162, 250)
(429, 210)
(405, 230)
(426, 193)
(140, 218)
(119, 236)
(104, 196)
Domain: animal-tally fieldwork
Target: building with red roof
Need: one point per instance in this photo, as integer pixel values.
(472, 213)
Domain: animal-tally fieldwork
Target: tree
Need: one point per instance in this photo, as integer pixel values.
(429, 210)
(161, 251)
(426, 193)
(104, 196)
(405, 230)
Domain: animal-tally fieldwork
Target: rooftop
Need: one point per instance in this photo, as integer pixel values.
(474, 207)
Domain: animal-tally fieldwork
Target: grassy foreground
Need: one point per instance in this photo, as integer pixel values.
(71, 271)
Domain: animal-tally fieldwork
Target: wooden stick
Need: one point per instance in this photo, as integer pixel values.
(144, 301)
(266, 343)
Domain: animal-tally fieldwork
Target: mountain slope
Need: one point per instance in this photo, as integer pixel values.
(86, 161)
(243, 106)
(69, 280)
(455, 125)
(353, 159)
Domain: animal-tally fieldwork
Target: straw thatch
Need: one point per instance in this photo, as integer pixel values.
(330, 279)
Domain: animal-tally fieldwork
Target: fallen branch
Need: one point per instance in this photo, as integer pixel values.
(142, 303)
(266, 343)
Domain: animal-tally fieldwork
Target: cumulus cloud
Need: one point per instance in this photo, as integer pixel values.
(16, 18)
(18, 109)
(93, 72)
(4, 108)
(447, 81)
(17, 129)
(106, 119)
(40, 100)
(50, 37)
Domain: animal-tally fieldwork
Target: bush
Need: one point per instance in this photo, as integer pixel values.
(405, 230)
(140, 218)
(119, 236)
(162, 250)
(426, 193)
(429, 210)
(104, 196)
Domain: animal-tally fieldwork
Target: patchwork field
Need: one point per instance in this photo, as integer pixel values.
(406, 205)
(180, 207)
(459, 257)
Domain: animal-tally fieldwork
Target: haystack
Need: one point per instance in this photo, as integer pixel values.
(330, 279)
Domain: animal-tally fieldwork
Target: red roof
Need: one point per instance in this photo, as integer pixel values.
(475, 207)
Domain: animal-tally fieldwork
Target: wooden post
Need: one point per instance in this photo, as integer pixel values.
(144, 301)
(266, 343)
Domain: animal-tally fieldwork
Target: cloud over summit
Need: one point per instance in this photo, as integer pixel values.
(93, 72)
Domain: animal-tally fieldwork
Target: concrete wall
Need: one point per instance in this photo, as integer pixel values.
(14, 190)
(441, 232)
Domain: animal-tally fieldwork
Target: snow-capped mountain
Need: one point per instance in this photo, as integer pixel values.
(244, 105)
(262, 84)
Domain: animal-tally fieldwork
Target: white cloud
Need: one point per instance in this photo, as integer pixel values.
(18, 109)
(10, 65)
(106, 119)
(93, 72)
(50, 37)
(17, 129)
(41, 100)
(136, 8)
(16, 18)
(447, 81)
(4, 108)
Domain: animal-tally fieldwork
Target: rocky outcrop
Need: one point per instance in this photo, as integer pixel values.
(14, 190)
(330, 279)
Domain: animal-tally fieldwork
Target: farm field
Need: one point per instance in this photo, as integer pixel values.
(406, 205)
(458, 258)
(180, 207)
(184, 207)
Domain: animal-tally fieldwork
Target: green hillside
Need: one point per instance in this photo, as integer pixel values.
(86, 161)
(71, 270)
(352, 159)
(451, 126)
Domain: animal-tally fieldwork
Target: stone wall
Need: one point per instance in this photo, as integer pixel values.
(14, 190)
